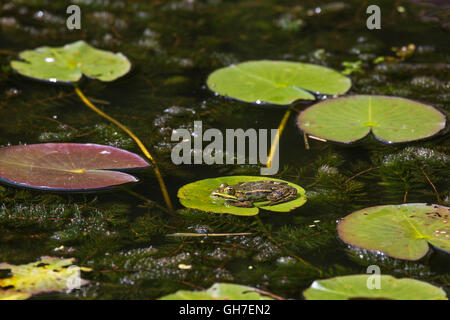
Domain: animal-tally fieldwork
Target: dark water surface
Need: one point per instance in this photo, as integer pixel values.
(173, 46)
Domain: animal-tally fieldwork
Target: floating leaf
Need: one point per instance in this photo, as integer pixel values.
(13, 295)
(390, 119)
(219, 291)
(400, 231)
(196, 195)
(356, 287)
(67, 166)
(276, 82)
(70, 62)
(46, 275)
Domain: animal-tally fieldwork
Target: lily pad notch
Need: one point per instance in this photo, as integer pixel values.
(390, 119)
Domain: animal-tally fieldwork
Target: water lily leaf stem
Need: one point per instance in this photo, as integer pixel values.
(276, 140)
(144, 150)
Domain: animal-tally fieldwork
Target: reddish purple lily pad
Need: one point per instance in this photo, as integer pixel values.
(67, 166)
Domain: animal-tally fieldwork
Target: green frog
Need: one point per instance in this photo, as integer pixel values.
(245, 194)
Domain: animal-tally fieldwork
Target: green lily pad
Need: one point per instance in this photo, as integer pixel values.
(400, 231)
(355, 287)
(196, 195)
(70, 62)
(390, 119)
(276, 82)
(46, 275)
(219, 291)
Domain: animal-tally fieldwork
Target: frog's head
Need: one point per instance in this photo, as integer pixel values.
(225, 192)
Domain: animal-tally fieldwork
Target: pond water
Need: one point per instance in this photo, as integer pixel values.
(173, 46)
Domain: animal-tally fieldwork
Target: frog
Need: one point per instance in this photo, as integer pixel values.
(245, 194)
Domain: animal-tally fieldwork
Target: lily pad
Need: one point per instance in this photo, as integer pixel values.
(355, 287)
(13, 295)
(400, 231)
(67, 166)
(70, 62)
(276, 82)
(219, 291)
(46, 275)
(196, 195)
(390, 119)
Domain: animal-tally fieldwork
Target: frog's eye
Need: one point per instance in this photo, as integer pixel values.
(223, 185)
(230, 190)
